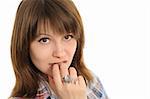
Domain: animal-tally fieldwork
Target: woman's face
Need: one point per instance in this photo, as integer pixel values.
(51, 48)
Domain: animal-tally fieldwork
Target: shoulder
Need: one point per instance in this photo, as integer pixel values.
(95, 89)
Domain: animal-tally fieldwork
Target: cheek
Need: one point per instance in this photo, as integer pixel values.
(39, 59)
(38, 56)
(38, 52)
(72, 49)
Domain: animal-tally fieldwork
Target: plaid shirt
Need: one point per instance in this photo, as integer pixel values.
(95, 90)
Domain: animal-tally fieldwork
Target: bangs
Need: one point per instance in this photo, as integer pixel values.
(58, 18)
(56, 27)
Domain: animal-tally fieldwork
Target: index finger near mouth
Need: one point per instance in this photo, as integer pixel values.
(56, 76)
(63, 71)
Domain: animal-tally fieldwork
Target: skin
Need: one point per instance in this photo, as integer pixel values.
(52, 54)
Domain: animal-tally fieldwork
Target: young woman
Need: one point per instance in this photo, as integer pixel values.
(47, 53)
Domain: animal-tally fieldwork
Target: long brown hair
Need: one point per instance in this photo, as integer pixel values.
(63, 17)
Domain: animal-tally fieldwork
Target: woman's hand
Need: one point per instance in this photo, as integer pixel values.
(73, 90)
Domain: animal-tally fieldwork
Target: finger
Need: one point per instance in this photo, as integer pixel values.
(73, 72)
(63, 71)
(50, 78)
(56, 76)
(81, 81)
(51, 82)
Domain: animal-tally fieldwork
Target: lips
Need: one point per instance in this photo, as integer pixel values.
(59, 63)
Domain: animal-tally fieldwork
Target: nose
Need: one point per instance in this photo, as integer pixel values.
(58, 50)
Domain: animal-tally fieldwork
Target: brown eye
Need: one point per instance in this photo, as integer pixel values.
(68, 37)
(44, 40)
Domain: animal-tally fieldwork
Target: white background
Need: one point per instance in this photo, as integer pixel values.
(117, 45)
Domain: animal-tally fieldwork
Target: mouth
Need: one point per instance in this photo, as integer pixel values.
(59, 63)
